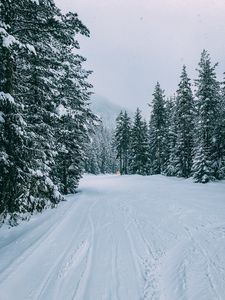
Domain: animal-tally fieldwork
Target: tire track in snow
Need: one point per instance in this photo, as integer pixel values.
(28, 251)
(76, 290)
(116, 273)
(114, 262)
(145, 264)
(127, 222)
(79, 291)
(209, 265)
(202, 251)
(123, 252)
(74, 258)
(69, 259)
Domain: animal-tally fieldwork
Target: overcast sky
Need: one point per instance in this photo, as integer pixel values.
(135, 43)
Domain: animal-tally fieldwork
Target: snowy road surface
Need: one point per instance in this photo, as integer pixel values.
(125, 238)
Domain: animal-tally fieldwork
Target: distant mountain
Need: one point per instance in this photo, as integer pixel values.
(107, 110)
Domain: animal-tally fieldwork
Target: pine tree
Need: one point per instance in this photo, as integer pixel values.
(74, 122)
(171, 135)
(205, 166)
(157, 132)
(184, 122)
(101, 155)
(220, 135)
(15, 138)
(139, 145)
(107, 155)
(39, 74)
(91, 162)
(122, 141)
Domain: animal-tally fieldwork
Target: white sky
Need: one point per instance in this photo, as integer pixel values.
(135, 43)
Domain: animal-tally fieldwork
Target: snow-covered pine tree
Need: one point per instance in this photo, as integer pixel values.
(118, 138)
(41, 30)
(108, 162)
(34, 36)
(138, 161)
(184, 122)
(171, 134)
(91, 161)
(206, 156)
(122, 141)
(75, 119)
(220, 135)
(15, 138)
(101, 155)
(157, 133)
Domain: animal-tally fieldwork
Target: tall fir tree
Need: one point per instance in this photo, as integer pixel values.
(122, 141)
(184, 122)
(74, 121)
(220, 135)
(139, 146)
(158, 132)
(171, 135)
(40, 72)
(15, 137)
(205, 165)
(101, 154)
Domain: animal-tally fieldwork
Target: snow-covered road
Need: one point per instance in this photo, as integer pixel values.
(121, 237)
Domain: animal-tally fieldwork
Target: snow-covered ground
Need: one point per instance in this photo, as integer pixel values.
(121, 237)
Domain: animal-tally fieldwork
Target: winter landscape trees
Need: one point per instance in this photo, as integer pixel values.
(183, 122)
(185, 136)
(47, 132)
(44, 110)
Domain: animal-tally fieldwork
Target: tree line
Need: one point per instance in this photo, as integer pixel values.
(100, 153)
(185, 136)
(45, 117)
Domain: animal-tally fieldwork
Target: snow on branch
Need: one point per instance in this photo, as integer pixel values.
(6, 97)
(7, 39)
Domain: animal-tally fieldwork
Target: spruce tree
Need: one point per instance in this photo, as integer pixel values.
(122, 141)
(220, 135)
(15, 136)
(107, 155)
(40, 73)
(205, 165)
(91, 161)
(171, 135)
(101, 154)
(157, 132)
(73, 123)
(139, 145)
(184, 122)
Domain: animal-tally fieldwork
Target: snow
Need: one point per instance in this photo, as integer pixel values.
(121, 237)
(31, 49)
(49, 182)
(8, 40)
(61, 110)
(6, 96)
(38, 173)
(58, 18)
(2, 120)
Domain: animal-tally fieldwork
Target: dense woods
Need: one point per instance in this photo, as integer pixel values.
(185, 136)
(48, 134)
(44, 106)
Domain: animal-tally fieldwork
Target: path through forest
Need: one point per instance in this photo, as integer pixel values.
(121, 237)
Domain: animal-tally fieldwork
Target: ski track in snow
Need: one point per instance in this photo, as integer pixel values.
(121, 238)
